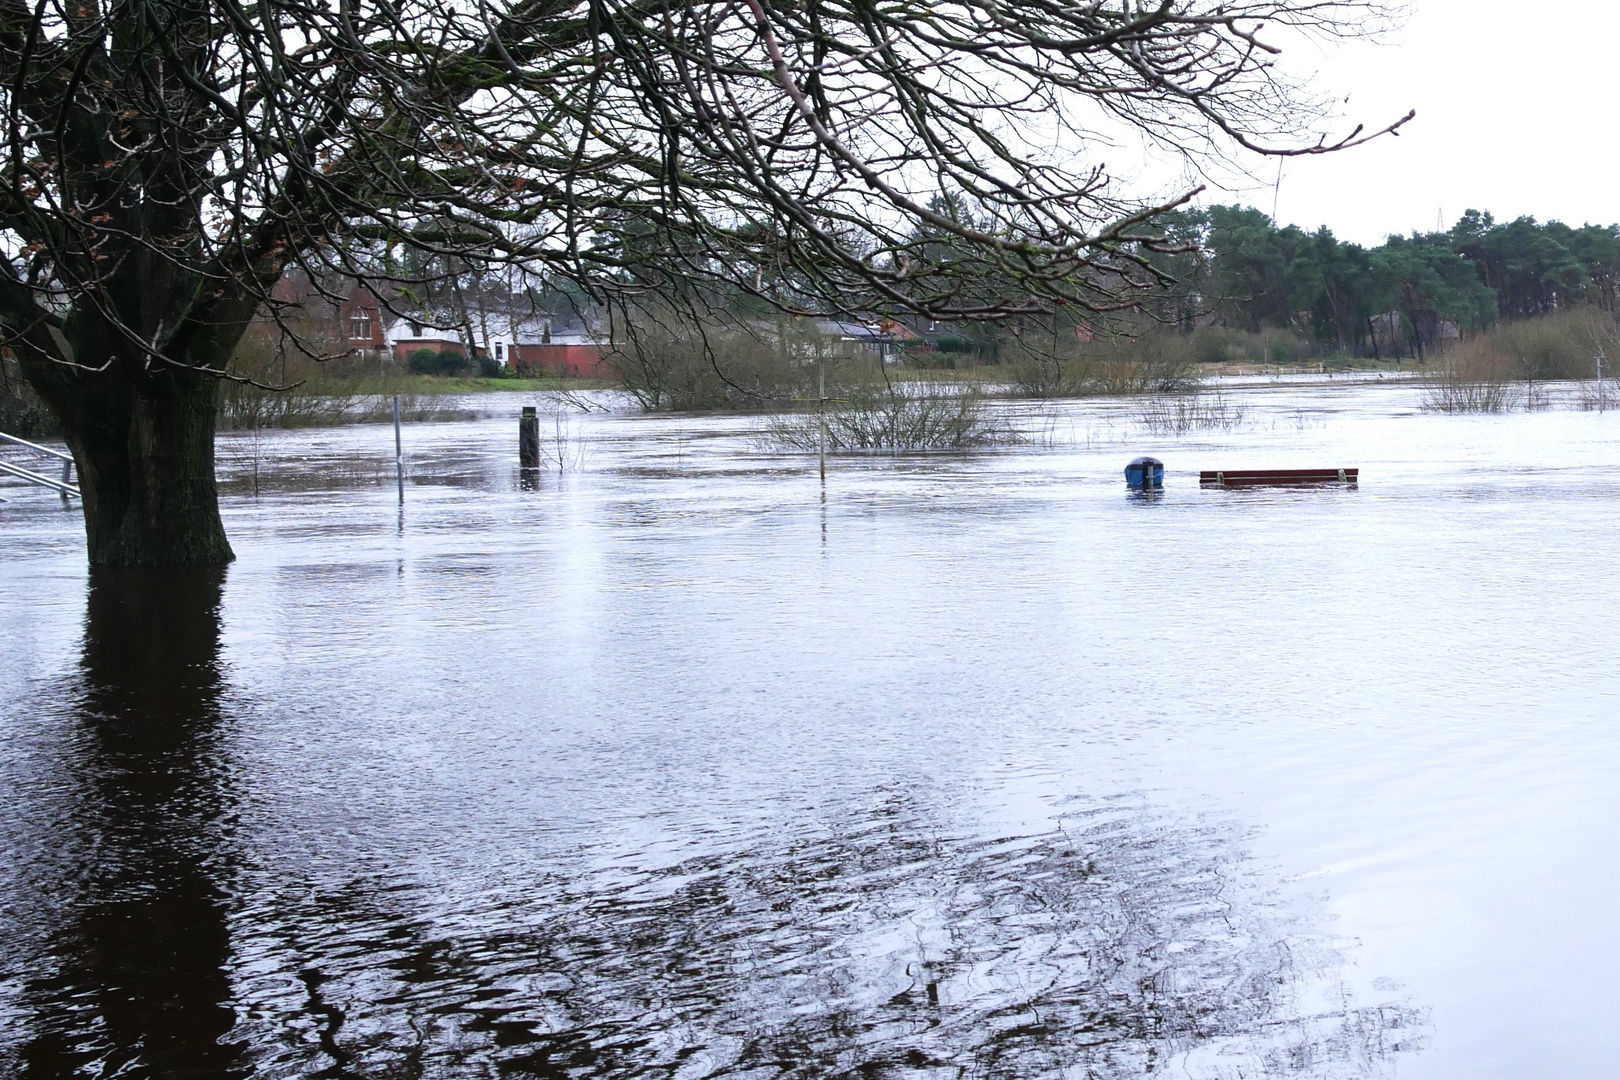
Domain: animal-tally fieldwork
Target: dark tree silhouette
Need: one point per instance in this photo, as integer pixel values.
(132, 978)
(166, 161)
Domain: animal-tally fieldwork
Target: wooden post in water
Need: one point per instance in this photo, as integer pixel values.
(399, 454)
(529, 439)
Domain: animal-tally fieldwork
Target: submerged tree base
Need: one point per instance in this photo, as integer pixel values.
(144, 454)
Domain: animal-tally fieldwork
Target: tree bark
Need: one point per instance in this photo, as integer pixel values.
(145, 457)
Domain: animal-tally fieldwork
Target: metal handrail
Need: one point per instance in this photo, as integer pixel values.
(37, 478)
(36, 446)
(62, 486)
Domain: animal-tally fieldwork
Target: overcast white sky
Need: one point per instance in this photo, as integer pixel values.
(1516, 115)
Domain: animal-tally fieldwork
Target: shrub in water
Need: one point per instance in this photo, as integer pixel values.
(1562, 345)
(1160, 361)
(1473, 380)
(670, 362)
(894, 417)
(1178, 414)
(1498, 370)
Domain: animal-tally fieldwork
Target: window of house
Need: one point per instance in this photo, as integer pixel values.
(416, 329)
(500, 351)
(360, 325)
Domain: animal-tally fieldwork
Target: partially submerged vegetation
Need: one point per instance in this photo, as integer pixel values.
(1245, 296)
(245, 407)
(926, 401)
(1469, 386)
(671, 362)
(899, 417)
(1181, 414)
(815, 387)
(1508, 365)
(818, 389)
(1157, 361)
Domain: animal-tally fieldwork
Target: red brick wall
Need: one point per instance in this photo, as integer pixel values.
(404, 349)
(573, 361)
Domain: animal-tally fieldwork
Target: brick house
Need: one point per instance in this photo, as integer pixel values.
(546, 344)
(357, 321)
(360, 319)
(534, 343)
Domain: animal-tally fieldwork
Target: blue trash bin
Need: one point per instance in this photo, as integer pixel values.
(1145, 472)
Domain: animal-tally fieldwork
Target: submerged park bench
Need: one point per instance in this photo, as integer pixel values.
(1276, 477)
(1147, 474)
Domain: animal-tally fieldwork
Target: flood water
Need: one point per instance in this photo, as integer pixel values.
(676, 763)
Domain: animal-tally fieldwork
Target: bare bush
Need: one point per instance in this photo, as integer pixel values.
(1178, 414)
(561, 447)
(1472, 380)
(1502, 368)
(1225, 345)
(245, 407)
(1042, 375)
(896, 417)
(672, 363)
(280, 386)
(1158, 361)
(1561, 345)
(1598, 397)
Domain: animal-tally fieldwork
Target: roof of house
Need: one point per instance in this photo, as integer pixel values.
(859, 330)
(528, 328)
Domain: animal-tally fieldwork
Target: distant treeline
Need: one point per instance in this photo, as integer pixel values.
(1405, 295)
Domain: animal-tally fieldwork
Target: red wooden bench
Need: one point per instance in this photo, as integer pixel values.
(1276, 477)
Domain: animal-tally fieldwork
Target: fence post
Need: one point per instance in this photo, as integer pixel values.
(529, 439)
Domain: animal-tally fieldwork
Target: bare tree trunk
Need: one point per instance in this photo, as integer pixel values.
(145, 457)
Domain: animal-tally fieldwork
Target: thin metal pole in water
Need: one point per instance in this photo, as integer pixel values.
(399, 454)
(822, 419)
(1600, 379)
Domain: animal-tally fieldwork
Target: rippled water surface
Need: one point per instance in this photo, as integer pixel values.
(677, 763)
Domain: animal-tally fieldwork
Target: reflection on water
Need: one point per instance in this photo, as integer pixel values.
(683, 764)
(132, 977)
(871, 943)
(876, 947)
